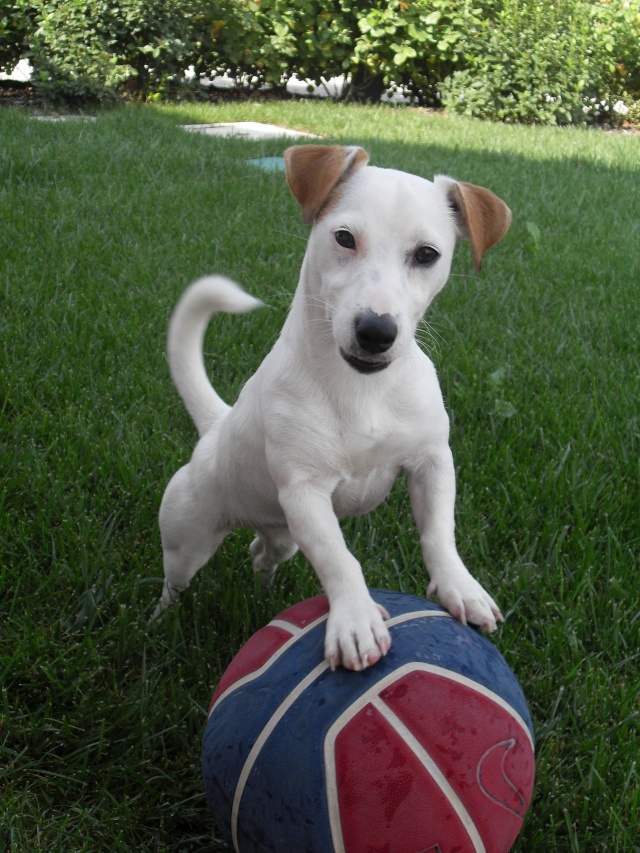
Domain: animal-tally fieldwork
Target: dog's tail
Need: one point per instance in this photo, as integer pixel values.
(184, 343)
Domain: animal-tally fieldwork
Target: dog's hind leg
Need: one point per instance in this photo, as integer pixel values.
(181, 564)
(272, 546)
(190, 537)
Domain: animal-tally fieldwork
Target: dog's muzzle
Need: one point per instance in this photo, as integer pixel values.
(374, 335)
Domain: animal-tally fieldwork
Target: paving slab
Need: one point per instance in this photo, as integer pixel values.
(247, 130)
(64, 118)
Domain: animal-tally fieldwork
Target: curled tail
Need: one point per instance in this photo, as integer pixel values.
(188, 324)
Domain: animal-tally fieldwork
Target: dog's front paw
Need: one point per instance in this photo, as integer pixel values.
(467, 600)
(356, 635)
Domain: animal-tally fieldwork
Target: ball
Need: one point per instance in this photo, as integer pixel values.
(429, 750)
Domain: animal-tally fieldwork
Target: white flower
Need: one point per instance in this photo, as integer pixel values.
(621, 108)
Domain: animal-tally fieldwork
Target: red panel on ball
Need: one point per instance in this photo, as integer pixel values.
(305, 612)
(257, 651)
(253, 655)
(382, 786)
(480, 747)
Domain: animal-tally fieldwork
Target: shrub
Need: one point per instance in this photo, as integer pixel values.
(267, 41)
(272, 40)
(226, 37)
(412, 45)
(92, 49)
(543, 62)
(16, 26)
(71, 58)
(546, 61)
(616, 26)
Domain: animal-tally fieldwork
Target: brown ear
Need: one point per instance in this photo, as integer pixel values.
(482, 217)
(313, 171)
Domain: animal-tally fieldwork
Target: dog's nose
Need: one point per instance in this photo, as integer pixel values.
(375, 333)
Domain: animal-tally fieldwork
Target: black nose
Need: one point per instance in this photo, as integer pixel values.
(375, 333)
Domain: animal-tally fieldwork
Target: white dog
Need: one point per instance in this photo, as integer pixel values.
(344, 401)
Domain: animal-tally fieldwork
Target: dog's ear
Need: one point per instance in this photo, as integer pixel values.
(481, 217)
(313, 171)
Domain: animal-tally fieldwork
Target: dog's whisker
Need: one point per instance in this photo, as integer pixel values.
(316, 300)
(290, 234)
(428, 337)
(324, 333)
(317, 321)
(428, 340)
(326, 337)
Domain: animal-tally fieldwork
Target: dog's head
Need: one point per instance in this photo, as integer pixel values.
(382, 244)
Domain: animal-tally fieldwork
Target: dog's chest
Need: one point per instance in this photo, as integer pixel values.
(370, 463)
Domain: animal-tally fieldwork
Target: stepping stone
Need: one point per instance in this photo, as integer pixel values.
(247, 129)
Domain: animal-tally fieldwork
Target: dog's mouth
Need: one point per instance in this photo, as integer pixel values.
(361, 365)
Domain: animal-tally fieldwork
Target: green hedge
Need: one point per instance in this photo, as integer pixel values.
(546, 61)
(16, 28)
(83, 50)
(568, 61)
(379, 44)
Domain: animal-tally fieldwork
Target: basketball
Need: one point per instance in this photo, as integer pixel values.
(430, 750)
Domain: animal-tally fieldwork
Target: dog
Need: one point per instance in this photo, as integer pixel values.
(343, 403)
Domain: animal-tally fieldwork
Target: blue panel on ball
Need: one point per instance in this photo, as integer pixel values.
(239, 719)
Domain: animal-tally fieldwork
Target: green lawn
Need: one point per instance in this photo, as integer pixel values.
(103, 225)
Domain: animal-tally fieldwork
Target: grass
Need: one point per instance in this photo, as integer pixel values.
(104, 223)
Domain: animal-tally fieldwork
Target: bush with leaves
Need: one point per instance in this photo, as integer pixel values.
(538, 62)
(616, 27)
(16, 26)
(85, 50)
(268, 41)
(71, 58)
(226, 37)
(543, 61)
(411, 45)
(376, 45)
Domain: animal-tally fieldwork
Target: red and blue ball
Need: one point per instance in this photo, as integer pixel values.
(431, 749)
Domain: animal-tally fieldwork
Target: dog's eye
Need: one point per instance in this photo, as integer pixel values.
(426, 255)
(345, 239)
